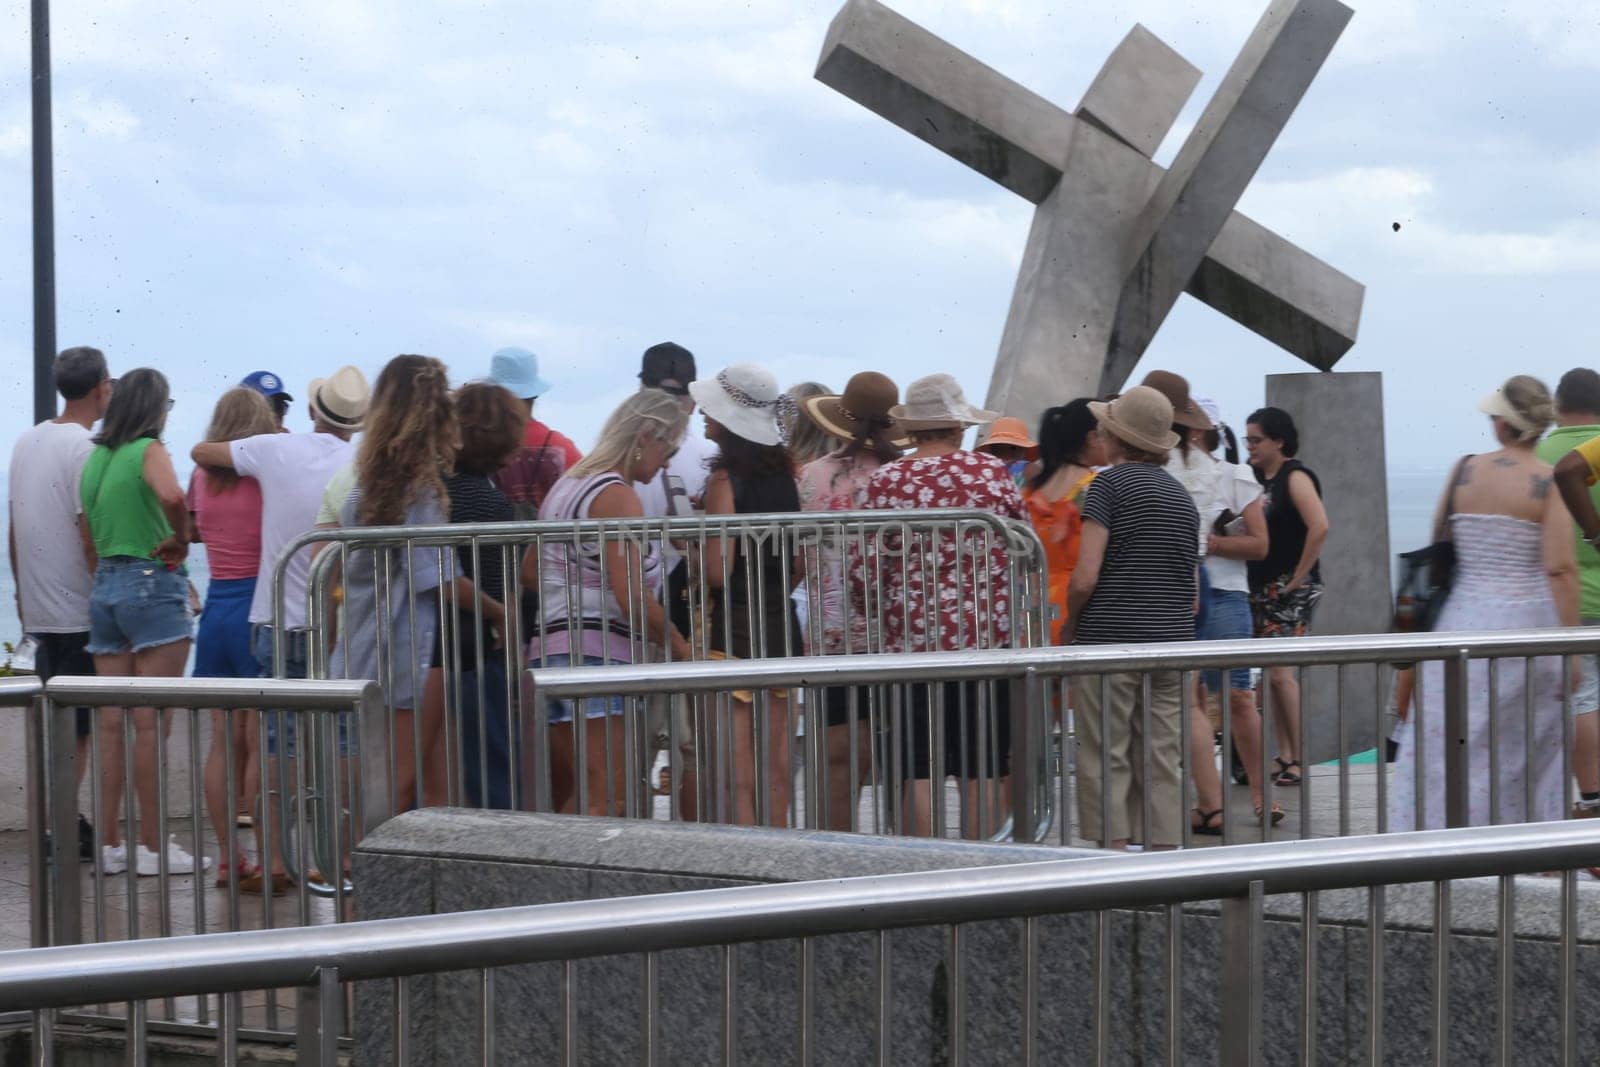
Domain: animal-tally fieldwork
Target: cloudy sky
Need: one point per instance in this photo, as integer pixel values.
(298, 185)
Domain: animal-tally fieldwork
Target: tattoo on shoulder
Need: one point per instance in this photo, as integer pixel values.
(1540, 487)
(1505, 461)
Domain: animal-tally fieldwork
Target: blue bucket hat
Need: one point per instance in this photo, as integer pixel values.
(267, 384)
(517, 369)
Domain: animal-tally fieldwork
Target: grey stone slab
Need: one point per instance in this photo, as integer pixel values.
(1340, 419)
(934, 91)
(1140, 91)
(1280, 292)
(1186, 213)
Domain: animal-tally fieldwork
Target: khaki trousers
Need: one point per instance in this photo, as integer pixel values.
(1110, 727)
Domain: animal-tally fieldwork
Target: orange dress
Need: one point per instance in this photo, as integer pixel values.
(1059, 525)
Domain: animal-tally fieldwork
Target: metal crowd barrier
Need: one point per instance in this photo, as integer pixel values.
(320, 813)
(320, 962)
(841, 558)
(1042, 681)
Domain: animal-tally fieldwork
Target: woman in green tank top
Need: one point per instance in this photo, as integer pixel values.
(140, 620)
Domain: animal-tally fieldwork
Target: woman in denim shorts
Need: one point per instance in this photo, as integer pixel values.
(140, 618)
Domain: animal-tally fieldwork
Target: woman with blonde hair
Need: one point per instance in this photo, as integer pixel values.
(226, 507)
(807, 440)
(409, 446)
(1516, 569)
(590, 611)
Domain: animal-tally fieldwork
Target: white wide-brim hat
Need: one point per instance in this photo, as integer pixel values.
(744, 398)
(937, 403)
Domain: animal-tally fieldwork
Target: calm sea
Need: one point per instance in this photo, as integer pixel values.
(1412, 494)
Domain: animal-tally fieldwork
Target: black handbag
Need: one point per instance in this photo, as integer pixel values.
(1427, 573)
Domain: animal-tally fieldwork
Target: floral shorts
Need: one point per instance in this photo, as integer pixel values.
(1283, 614)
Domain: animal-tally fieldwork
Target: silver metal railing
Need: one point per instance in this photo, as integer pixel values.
(319, 961)
(851, 568)
(1043, 682)
(321, 814)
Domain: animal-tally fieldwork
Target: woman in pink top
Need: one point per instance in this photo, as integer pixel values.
(227, 518)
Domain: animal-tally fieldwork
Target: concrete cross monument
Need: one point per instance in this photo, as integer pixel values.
(1116, 238)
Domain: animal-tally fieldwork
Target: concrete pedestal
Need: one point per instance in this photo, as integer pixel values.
(1340, 418)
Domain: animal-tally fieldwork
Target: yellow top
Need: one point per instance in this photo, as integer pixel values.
(1590, 451)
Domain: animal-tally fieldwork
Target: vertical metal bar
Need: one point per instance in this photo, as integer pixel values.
(1457, 753)
(1175, 981)
(66, 890)
(1100, 959)
(1506, 980)
(1105, 763)
(1309, 924)
(1567, 984)
(1496, 801)
(1378, 732)
(569, 1013)
(228, 1008)
(488, 1047)
(1441, 974)
(1344, 756)
(44, 221)
(1375, 1001)
(955, 965)
(1030, 723)
(138, 1032)
(38, 817)
(1241, 977)
(1030, 991)
(1146, 758)
(730, 1005)
(1307, 797)
(808, 1001)
(651, 1015)
(1526, 770)
(44, 1038)
(883, 1001)
(401, 1024)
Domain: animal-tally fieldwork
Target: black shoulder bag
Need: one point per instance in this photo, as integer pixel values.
(1427, 573)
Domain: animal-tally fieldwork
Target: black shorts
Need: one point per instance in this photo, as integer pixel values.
(66, 654)
(969, 709)
(836, 703)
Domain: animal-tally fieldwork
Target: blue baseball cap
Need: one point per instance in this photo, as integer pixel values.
(517, 369)
(267, 384)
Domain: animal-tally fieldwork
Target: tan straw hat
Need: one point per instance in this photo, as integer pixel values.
(1175, 387)
(868, 396)
(1142, 417)
(1009, 431)
(937, 403)
(341, 398)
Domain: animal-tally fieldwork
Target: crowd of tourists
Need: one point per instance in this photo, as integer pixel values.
(1154, 527)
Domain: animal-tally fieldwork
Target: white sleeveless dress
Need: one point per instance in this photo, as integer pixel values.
(1500, 584)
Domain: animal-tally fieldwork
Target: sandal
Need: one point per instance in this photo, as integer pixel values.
(1277, 813)
(1210, 824)
(1287, 774)
(242, 871)
(258, 883)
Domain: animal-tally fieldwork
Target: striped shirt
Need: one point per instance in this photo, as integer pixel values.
(1146, 587)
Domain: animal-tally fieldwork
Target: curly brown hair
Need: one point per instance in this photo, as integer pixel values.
(411, 440)
(492, 424)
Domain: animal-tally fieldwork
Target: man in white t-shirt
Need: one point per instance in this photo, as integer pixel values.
(293, 470)
(52, 554)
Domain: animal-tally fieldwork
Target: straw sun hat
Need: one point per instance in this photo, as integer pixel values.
(937, 403)
(868, 397)
(1175, 387)
(1142, 417)
(341, 398)
(745, 399)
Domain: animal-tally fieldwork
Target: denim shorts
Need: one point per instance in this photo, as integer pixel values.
(560, 711)
(1227, 616)
(137, 604)
(1587, 698)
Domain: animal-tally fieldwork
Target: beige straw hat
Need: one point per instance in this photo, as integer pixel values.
(937, 403)
(1142, 417)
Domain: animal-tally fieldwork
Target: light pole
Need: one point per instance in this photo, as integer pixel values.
(44, 223)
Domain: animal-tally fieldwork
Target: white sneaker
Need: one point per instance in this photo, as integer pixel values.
(178, 861)
(113, 859)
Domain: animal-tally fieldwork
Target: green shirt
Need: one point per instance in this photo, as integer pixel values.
(1557, 443)
(124, 515)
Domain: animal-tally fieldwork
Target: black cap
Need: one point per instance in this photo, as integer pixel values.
(667, 366)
